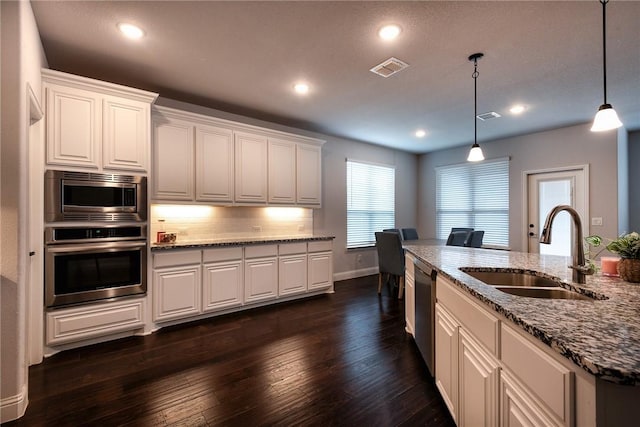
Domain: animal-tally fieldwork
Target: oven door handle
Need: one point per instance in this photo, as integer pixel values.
(94, 247)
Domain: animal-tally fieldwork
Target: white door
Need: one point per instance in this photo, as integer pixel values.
(547, 190)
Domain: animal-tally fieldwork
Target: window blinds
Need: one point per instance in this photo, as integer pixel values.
(370, 202)
(474, 195)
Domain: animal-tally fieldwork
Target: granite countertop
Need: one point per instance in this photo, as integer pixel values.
(236, 241)
(601, 336)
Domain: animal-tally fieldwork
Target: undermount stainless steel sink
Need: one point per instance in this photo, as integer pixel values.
(510, 278)
(525, 284)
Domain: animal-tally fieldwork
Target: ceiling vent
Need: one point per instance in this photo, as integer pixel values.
(488, 116)
(389, 67)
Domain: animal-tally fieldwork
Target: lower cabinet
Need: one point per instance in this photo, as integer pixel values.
(409, 295)
(320, 265)
(514, 384)
(222, 280)
(176, 292)
(260, 273)
(292, 269)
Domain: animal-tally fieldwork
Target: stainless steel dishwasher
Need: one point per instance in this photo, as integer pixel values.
(425, 289)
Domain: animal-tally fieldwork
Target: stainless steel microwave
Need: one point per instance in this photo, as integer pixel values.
(87, 196)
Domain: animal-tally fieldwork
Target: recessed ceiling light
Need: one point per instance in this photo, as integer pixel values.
(517, 109)
(130, 31)
(389, 32)
(420, 133)
(301, 88)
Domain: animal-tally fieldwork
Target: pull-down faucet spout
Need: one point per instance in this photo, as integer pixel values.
(580, 269)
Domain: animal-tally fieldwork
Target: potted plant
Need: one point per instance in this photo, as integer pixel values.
(627, 246)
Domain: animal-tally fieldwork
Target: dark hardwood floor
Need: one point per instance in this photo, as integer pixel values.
(338, 359)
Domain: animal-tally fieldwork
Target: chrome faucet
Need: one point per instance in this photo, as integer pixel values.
(580, 268)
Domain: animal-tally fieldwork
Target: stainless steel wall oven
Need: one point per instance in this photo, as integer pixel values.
(85, 264)
(87, 196)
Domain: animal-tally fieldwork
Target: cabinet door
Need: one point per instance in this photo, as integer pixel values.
(176, 292)
(222, 285)
(292, 275)
(447, 359)
(282, 172)
(251, 168)
(73, 126)
(214, 164)
(320, 270)
(409, 297)
(260, 279)
(478, 387)
(309, 175)
(173, 152)
(125, 130)
(518, 407)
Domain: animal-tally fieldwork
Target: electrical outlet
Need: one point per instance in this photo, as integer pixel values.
(256, 228)
(301, 227)
(359, 259)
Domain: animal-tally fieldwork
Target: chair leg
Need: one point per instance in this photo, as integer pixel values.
(401, 287)
(379, 283)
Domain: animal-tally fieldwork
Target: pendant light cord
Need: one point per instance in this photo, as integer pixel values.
(475, 100)
(604, 45)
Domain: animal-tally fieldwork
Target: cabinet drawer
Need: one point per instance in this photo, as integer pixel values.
(260, 251)
(548, 379)
(478, 321)
(222, 254)
(173, 258)
(76, 324)
(292, 248)
(320, 246)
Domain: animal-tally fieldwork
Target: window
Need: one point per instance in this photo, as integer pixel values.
(474, 195)
(370, 202)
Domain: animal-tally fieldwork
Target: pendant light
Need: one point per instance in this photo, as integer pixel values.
(606, 117)
(475, 155)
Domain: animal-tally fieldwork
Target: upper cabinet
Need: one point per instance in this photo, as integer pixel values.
(96, 125)
(198, 158)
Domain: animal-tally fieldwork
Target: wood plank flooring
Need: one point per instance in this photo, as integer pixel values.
(337, 359)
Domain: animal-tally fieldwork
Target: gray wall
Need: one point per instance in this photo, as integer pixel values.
(634, 181)
(22, 59)
(331, 219)
(569, 146)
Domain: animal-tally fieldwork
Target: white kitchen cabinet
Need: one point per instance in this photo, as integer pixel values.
(173, 160)
(251, 168)
(519, 407)
(409, 294)
(260, 273)
(80, 323)
(292, 269)
(446, 343)
(177, 284)
(222, 282)
(309, 175)
(96, 125)
(478, 384)
(282, 172)
(214, 164)
(125, 128)
(320, 265)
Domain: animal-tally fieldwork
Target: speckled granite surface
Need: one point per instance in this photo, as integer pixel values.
(237, 242)
(602, 335)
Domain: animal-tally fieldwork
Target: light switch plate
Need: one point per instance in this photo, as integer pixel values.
(597, 220)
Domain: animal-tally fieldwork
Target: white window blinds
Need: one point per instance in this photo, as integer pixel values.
(370, 202)
(474, 195)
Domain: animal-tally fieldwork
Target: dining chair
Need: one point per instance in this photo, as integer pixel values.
(474, 240)
(409, 234)
(390, 259)
(457, 238)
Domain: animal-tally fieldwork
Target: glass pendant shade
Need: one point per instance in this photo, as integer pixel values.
(475, 155)
(606, 119)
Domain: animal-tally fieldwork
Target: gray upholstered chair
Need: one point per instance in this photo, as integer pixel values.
(390, 259)
(409, 234)
(475, 239)
(457, 238)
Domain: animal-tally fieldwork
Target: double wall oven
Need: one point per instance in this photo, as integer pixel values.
(95, 238)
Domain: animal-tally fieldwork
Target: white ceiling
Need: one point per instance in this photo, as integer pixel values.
(244, 57)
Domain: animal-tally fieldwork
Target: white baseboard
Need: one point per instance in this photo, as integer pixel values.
(13, 407)
(355, 273)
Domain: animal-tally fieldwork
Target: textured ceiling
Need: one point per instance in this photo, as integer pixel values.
(243, 57)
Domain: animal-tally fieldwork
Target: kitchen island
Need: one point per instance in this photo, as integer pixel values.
(595, 342)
